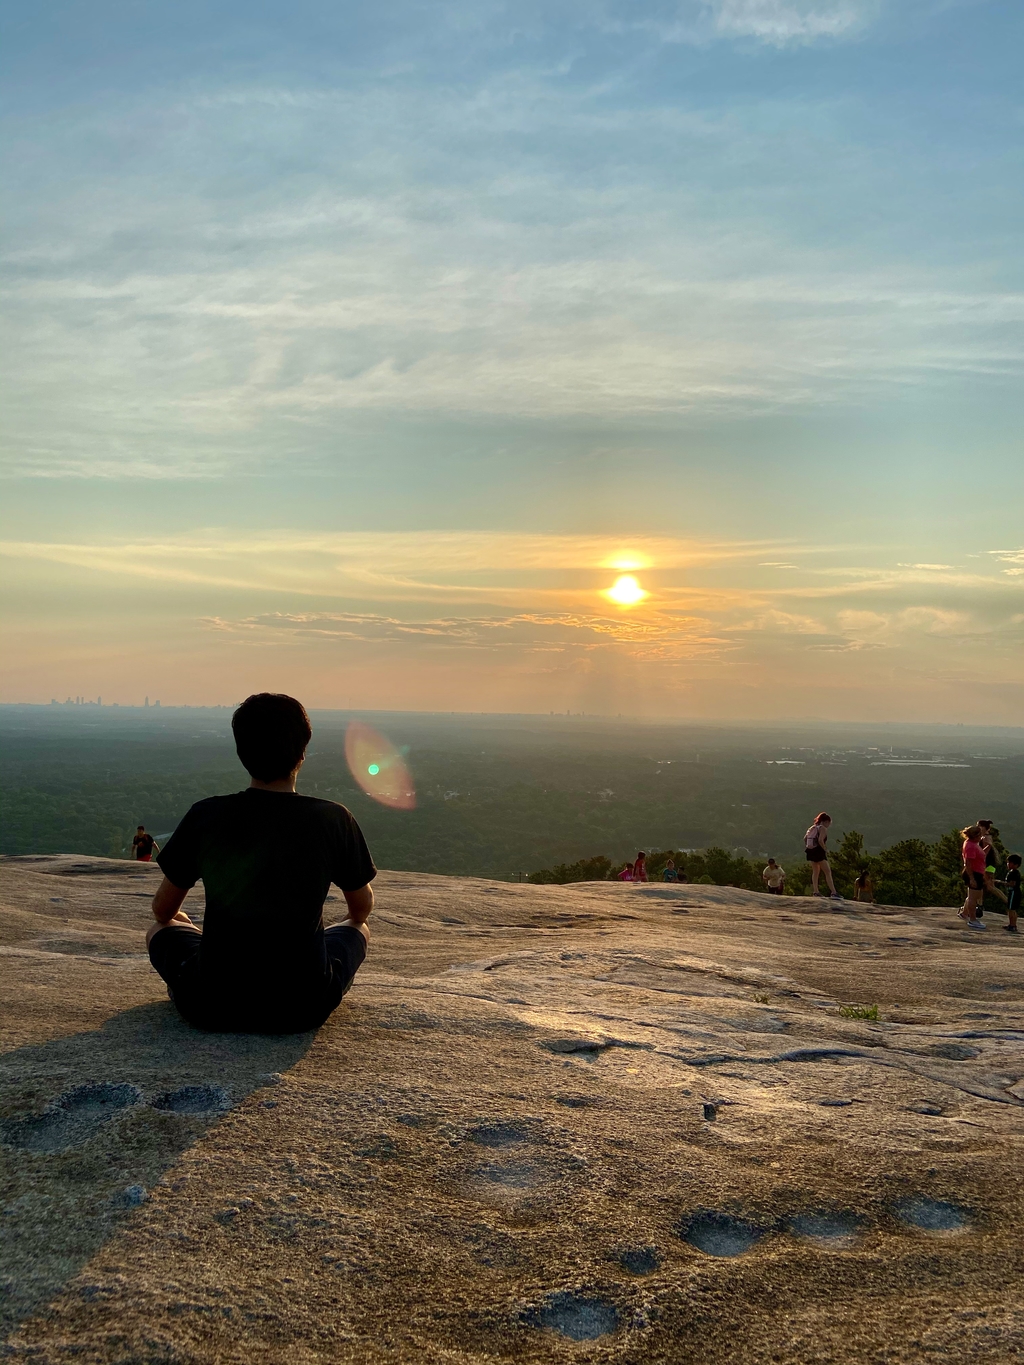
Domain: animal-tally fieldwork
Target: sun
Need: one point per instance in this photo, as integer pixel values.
(626, 591)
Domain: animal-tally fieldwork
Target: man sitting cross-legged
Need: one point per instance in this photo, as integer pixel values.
(263, 961)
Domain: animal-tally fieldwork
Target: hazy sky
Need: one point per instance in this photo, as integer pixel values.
(350, 347)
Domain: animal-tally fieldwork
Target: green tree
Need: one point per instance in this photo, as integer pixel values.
(848, 861)
(906, 874)
(947, 867)
(798, 880)
(585, 870)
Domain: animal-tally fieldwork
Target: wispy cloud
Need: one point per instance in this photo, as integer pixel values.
(1014, 558)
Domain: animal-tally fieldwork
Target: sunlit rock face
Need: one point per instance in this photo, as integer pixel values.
(547, 1124)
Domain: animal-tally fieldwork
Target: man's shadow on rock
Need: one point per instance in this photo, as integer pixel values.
(91, 1121)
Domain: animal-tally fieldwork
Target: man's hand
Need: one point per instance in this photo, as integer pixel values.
(168, 901)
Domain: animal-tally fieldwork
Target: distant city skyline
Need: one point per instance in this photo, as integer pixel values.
(357, 351)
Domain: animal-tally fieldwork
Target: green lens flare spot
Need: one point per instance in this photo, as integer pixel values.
(373, 769)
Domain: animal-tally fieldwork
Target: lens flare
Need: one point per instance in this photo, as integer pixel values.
(626, 591)
(378, 767)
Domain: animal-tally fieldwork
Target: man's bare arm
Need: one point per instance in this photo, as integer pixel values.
(167, 901)
(360, 903)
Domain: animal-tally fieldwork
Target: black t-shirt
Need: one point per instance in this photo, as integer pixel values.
(143, 845)
(266, 860)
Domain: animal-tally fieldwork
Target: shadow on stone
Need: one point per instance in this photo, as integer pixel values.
(194, 1099)
(83, 1146)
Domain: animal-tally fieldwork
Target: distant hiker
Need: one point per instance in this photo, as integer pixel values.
(774, 877)
(973, 876)
(681, 876)
(991, 852)
(143, 846)
(640, 868)
(817, 856)
(864, 887)
(626, 875)
(267, 857)
(1012, 884)
(670, 874)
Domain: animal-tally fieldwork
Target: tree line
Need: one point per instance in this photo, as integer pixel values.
(911, 872)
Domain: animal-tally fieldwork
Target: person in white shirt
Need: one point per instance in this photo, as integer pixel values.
(774, 878)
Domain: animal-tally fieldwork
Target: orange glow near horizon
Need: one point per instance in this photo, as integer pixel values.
(626, 591)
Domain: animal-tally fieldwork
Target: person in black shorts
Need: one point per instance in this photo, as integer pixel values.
(263, 961)
(1012, 883)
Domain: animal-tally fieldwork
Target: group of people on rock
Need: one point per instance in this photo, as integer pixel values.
(980, 859)
(981, 862)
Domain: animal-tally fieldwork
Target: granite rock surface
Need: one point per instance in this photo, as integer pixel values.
(584, 1123)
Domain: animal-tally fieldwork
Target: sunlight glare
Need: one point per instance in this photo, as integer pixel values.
(626, 591)
(626, 560)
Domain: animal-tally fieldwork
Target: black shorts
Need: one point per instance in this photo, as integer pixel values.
(775, 891)
(174, 952)
(816, 855)
(974, 881)
(1013, 898)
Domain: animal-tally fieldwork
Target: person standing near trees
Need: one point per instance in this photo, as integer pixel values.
(991, 852)
(774, 878)
(817, 854)
(1012, 884)
(640, 867)
(973, 876)
(143, 846)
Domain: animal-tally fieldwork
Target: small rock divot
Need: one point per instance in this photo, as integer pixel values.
(193, 1099)
(515, 1175)
(931, 1215)
(923, 1107)
(587, 1048)
(720, 1234)
(638, 1260)
(71, 1119)
(580, 1317)
(835, 1230)
(100, 1101)
(835, 1104)
(953, 1052)
(130, 1198)
(499, 1134)
(710, 1112)
(577, 1101)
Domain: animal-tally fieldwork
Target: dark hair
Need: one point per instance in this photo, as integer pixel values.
(984, 824)
(271, 733)
(1014, 858)
(823, 815)
(641, 854)
(140, 827)
(771, 860)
